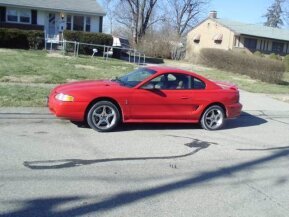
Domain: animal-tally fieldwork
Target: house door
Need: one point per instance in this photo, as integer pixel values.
(51, 26)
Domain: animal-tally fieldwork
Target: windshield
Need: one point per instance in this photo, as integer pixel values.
(134, 78)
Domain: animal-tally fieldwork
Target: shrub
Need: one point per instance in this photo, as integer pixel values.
(274, 56)
(263, 69)
(35, 39)
(88, 38)
(155, 47)
(286, 62)
(21, 39)
(258, 53)
(161, 44)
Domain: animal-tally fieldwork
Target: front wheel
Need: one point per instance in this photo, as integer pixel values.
(103, 116)
(213, 118)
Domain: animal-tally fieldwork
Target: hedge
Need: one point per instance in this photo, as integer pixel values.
(286, 62)
(264, 69)
(89, 38)
(21, 39)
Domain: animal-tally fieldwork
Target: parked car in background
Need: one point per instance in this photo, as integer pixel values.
(147, 95)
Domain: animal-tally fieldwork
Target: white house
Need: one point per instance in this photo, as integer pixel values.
(52, 16)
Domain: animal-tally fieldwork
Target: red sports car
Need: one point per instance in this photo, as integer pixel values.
(147, 95)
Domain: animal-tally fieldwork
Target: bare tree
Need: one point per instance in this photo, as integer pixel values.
(137, 16)
(184, 14)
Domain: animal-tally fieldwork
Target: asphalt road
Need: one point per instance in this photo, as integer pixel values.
(51, 167)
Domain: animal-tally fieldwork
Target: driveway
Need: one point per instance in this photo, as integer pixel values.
(51, 167)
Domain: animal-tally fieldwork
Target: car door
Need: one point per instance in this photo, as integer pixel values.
(162, 98)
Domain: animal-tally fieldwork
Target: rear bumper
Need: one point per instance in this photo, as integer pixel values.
(234, 110)
(73, 111)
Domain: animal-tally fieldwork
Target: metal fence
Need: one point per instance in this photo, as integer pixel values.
(73, 47)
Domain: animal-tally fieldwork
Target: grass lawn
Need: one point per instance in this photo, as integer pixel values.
(26, 77)
(41, 67)
(22, 95)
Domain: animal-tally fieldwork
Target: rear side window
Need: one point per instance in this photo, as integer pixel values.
(198, 84)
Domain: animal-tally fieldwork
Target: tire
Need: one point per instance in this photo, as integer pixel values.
(103, 116)
(213, 118)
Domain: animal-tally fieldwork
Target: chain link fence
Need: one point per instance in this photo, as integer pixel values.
(75, 48)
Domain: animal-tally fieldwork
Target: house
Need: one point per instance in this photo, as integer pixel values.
(52, 16)
(232, 35)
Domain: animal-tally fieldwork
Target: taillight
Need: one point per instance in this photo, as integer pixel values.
(237, 96)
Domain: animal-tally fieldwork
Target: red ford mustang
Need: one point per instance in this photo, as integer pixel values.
(147, 95)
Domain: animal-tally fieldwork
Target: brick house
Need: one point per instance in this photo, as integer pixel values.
(232, 35)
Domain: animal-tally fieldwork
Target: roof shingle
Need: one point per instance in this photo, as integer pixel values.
(255, 30)
(75, 6)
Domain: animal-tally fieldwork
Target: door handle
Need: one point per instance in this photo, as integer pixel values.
(185, 97)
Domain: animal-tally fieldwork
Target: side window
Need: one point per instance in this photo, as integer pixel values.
(172, 81)
(198, 84)
(160, 82)
(171, 77)
(176, 81)
(163, 82)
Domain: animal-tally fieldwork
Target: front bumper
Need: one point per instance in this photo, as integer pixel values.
(74, 111)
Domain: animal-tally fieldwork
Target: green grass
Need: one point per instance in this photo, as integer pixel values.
(40, 67)
(246, 83)
(18, 95)
(23, 74)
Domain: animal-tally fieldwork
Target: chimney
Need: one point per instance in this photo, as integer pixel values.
(213, 14)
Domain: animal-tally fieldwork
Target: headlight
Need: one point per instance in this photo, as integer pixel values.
(64, 97)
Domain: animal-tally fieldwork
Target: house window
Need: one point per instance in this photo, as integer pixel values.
(24, 16)
(250, 43)
(19, 16)
(277, 47)
(218, 41)
(78, 23)
(218, 38)
(68, 22)
(197, 39)
(12, 15)
(87, 24)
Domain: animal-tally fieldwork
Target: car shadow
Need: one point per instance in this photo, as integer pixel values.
(245, 120)
(157, 126)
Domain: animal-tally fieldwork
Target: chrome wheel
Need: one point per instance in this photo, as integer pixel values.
(103, 116)
(213, 118)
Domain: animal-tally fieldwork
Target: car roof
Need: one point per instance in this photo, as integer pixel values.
(163, 69)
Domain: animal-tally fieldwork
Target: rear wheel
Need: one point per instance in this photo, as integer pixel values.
(213, 118)
(103, 116)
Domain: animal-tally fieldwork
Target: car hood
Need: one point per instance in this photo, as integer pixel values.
(84, 85)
